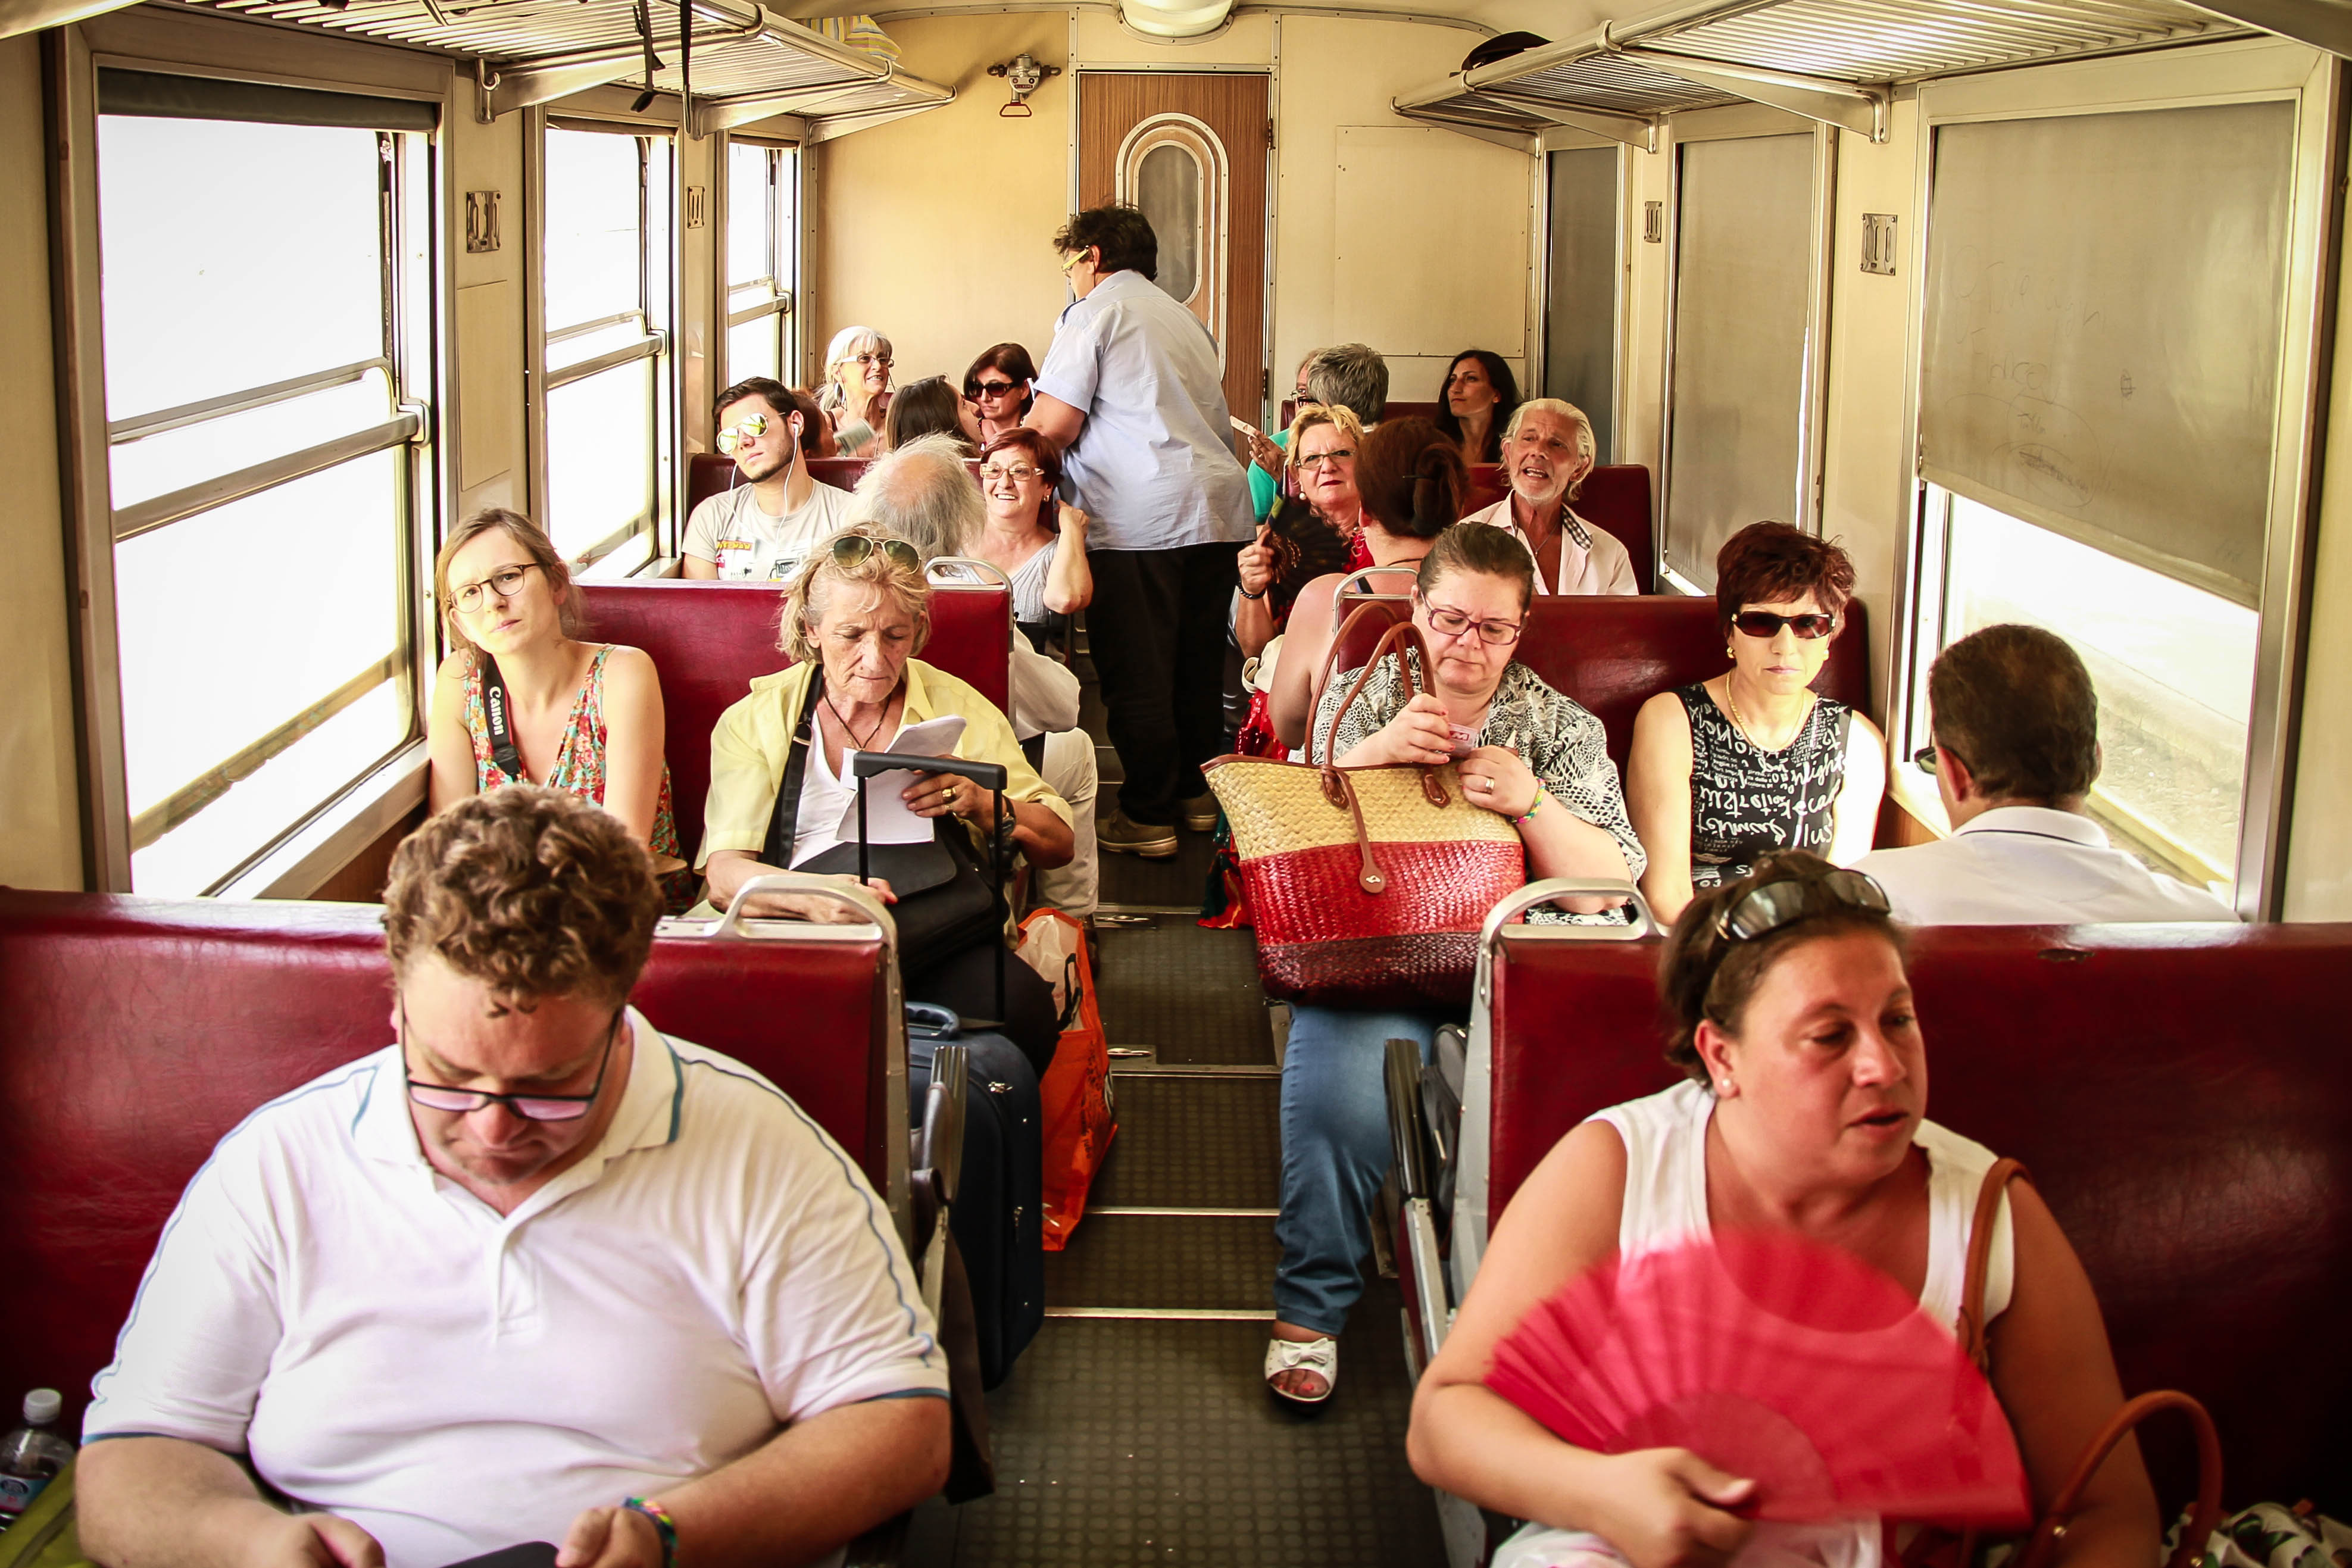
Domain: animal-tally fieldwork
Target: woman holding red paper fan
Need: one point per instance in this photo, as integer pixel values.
(1598, 1383)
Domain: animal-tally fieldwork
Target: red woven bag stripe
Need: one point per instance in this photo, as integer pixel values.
(1313, 895)
(1433, 969)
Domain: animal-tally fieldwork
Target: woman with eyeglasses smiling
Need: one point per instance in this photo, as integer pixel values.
(1754, 760)
(996, 391)
(519, 699)
(1523, 751)
(1032, 536)
(856, 389)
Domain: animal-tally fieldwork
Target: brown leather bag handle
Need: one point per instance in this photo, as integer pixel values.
(2202, 1518)
(1392, 641)
(1972, 1323)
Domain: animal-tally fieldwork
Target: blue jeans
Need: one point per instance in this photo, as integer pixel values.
(1335, 1154)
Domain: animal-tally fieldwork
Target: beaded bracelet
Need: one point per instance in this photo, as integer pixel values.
(664, 1526)
(1538, 805)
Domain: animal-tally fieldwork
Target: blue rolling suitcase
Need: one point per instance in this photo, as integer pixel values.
(998, 1217)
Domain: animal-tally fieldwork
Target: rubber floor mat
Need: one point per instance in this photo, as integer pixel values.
(1193, 1262)
(1194, 1142)
(1123, 1443)
(1190, 994)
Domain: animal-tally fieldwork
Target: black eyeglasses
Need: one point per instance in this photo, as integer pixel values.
(989, 388)
(1924, 759)
(1764, 623)
(1776, 904)
(505, 581)
(529, 1106)
(851, 549)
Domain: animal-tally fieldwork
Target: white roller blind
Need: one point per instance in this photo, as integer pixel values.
(2102, 354)
(1742, 269)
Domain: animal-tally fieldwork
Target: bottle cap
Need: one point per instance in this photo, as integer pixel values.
(43, 1405)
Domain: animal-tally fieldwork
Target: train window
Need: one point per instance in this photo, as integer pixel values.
(2174, 666)
(762, 218)
(1580, 275)
(606, 293)
(259, 471)
(1740, 406)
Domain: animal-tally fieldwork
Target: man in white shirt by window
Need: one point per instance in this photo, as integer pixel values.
(534, 1272)
(1547, 450)
(762, 529)
(2016, 753)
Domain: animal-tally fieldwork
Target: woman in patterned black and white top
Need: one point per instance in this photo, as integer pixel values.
(1525, 752)
(1754, 760)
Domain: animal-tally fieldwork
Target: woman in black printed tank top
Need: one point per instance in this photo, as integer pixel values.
(1753, 760)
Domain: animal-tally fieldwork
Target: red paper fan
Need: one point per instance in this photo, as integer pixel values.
(1777, 1358)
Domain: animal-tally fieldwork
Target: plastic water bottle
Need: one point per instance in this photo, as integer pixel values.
(32, 1455)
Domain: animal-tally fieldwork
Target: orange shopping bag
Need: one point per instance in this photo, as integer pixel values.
(1076, 1093)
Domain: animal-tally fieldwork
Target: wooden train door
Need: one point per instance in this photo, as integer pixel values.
(1191, 151)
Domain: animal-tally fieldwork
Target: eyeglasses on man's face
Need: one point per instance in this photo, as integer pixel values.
(529, 1106)
(1076, 258)
(742, 430)
(1764, 623)
(505, 583)
(990, 389)
(1335, 457)
(851, 549)
(1019, 473)
(1450, 622)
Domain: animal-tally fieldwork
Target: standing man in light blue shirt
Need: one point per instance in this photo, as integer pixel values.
(1133, 392)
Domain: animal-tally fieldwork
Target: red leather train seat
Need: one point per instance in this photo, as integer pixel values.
(710, 639)
(141, 1030)
(2178, 1092)
(1614, 653)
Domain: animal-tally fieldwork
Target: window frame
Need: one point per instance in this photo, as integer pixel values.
(1738, 122)
(416, 345)
(783, 281)
(659, 312)
(1549, 144)
(2227, 72)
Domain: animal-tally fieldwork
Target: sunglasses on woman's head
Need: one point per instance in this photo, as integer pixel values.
(1764, 623)
(851, 549)
(1776, 904)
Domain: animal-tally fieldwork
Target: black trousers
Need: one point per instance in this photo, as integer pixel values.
(1157, 631)
(966, 982)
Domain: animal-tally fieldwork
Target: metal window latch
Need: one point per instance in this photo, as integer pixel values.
(1878, 244)
(1653, 222)
(481, 221)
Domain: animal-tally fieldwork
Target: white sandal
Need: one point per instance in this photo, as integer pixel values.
(1318, 1356)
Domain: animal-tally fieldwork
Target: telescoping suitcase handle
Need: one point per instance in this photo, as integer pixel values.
(734, 924)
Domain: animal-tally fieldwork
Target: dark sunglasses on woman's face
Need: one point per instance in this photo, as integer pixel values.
(1764, 623)
(989, 388)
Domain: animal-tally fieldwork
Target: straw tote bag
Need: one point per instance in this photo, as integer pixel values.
(1368, 885)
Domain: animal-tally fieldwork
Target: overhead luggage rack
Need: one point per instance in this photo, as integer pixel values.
(749, 63)
(1833, 60)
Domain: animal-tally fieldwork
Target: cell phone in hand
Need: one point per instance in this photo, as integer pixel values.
(529, 1554)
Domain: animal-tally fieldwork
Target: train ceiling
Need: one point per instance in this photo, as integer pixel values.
(1833, 60)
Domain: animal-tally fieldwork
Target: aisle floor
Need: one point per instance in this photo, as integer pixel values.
(1136, 1429)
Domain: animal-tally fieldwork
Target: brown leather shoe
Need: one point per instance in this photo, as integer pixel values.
(1117, 833)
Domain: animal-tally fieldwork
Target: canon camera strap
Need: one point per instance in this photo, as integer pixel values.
(495, 714)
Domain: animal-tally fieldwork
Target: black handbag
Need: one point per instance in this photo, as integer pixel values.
(947, 900)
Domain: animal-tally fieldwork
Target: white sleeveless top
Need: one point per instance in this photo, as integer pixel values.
(1665, 1194)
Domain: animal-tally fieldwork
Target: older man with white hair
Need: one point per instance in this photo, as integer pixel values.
(1547, 451)
(924, 493)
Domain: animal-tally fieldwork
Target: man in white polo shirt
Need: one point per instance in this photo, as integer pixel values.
(762, 529)
(2016, 753)
(1547, 450)
(535, 1272)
